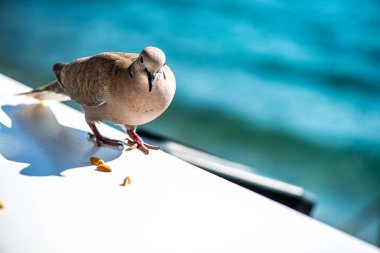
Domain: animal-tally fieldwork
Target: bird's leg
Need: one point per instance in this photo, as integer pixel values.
(138, 143)
(101, 139)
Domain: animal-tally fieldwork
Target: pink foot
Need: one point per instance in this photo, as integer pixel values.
(104, 140)
(101, 139)
(138, 143)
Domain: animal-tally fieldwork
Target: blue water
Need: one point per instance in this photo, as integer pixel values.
(291, 89)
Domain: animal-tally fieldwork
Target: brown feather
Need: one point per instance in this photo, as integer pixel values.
(87, 80)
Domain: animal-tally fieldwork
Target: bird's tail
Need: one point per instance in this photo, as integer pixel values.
(50, 91)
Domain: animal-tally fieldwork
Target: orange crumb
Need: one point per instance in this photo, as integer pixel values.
(96, 161)
(104, 168)
(127, 181)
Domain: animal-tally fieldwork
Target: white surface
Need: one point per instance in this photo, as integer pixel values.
(57, 202)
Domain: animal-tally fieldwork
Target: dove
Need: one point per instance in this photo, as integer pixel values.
(126, 89)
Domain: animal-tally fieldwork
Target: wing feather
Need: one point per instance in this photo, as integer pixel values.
(88, 80)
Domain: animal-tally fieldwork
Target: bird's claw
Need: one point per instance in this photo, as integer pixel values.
(140, 145)
(104, 140)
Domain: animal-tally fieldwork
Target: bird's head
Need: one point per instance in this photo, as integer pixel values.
(152, 59)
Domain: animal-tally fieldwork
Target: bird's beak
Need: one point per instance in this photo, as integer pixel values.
(151, 80)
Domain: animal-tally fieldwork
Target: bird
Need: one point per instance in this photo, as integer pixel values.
(127, 89)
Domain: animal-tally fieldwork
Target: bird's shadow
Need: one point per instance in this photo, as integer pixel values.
(36, 138)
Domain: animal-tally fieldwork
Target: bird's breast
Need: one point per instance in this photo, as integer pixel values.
(137, 105)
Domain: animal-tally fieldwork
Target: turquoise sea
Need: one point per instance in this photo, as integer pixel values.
(290, 88)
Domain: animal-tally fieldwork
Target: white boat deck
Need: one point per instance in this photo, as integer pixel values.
(55, 201)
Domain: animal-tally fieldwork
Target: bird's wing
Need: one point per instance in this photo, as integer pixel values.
(88, 80)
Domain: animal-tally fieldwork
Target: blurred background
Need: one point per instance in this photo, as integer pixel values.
(289, 88)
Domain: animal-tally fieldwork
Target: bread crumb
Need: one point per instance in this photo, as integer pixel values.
(2, 205)
(126, 181)
(96, 161)
(104, 168)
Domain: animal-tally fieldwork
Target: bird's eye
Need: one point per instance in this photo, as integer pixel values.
(141, 59)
